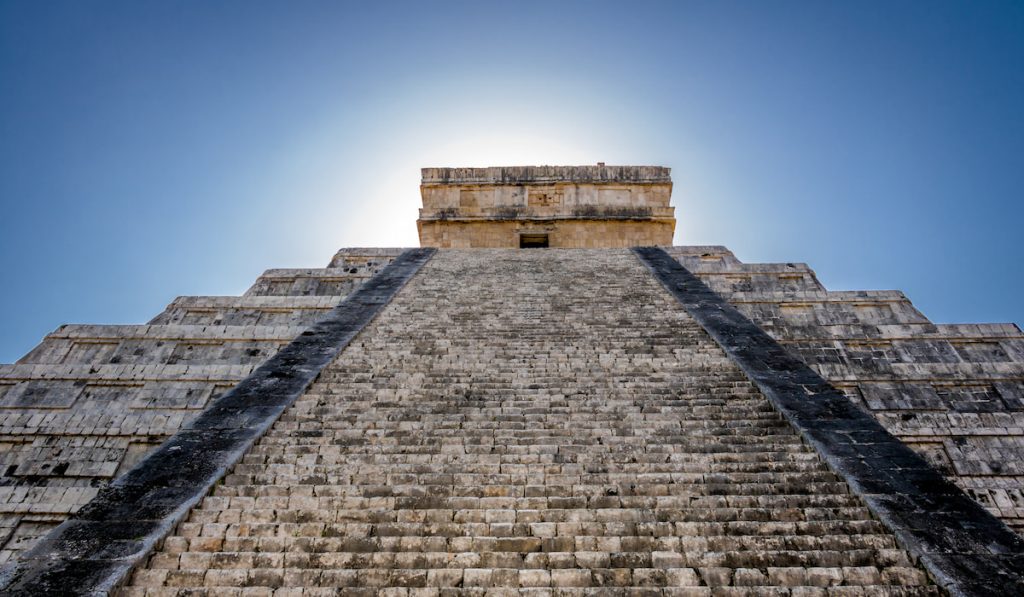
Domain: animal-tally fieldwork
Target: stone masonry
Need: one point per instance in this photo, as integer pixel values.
(954, 393)
(537, 420)
(520, 421)
(91, 400)
(556, 206)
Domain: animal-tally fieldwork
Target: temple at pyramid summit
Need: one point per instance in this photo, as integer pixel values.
(545, 398)
(535, 207)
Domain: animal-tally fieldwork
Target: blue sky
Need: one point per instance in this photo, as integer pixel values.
(155, 149)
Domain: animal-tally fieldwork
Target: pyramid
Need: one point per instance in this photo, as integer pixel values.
(546, 398)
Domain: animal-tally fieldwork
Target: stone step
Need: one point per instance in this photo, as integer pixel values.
(325, 536)
(160, 344)
(532, 521)
(601, 572)
(831, 551)
(634, 591)
(342, 498)
(848, 577)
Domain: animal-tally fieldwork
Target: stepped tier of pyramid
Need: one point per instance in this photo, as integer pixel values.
(527, 409)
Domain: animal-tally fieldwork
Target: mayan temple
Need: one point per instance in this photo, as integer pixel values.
(545, 398)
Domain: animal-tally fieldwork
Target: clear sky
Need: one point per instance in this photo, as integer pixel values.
(163, 148)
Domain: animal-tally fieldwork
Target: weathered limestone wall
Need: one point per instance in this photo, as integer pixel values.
(582, 234)
(583, 206)
(91, 400)
(954, 393)
(537, 421)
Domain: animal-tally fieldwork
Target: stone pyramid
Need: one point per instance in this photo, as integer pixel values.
(527, 405)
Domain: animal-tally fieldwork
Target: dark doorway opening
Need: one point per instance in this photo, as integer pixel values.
(533, 241)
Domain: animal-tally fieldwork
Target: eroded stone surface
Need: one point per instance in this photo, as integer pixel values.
(951, 392)
(962, 545)
(548, 421)
(91, 552)
(558, 206)
(91, 400)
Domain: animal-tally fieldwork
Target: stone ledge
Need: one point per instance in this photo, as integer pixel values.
(547, 174)
(125, 373)
(527, 216)
(284, 303)
(181, 332)
(314, 272)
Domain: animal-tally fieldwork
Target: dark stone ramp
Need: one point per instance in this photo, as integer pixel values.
(965, 548)
(93, 551)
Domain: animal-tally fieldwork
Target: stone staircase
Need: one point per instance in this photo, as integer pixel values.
(538, 422)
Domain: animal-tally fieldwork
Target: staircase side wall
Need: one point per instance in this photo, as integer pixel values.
(954, 393)
(92, 400)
